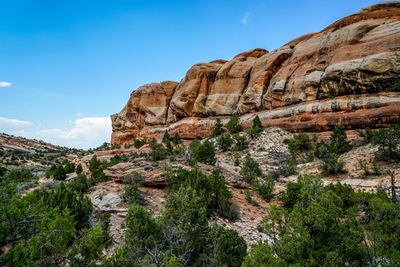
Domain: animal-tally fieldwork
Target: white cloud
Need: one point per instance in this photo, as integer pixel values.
(5, 84)
(86, 132)
(13, 123)
(245, 18)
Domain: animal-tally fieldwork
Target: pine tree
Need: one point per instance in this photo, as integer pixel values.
(166, 138)
(339, 142)
(257, 126)
(218, 129)
(233, 125)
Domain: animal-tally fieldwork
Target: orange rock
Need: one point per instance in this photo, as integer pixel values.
(340, 75)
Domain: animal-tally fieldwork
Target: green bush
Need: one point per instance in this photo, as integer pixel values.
(233, 125)
(256, 128)
(265, 188)
(132, 194)
(180, 236)
(250, 169)
(298, 143)
(60, 173)
(87, 250)
(226, 247)
(339, 143)
(218, 129)
(202, 152)
(291, 196)
(262, 255)
(176, 139)
(212, 188)
(241, 142)
(69, 167)
(3, 171)
(288, 169)
(79, 184)
(388, 141)
(79, 169)
(158, 151)
(332, 164)
(138, 143)
(394, 86)
(18, 175)
(224, 141)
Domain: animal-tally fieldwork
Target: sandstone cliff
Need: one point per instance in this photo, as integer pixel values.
(348, 74)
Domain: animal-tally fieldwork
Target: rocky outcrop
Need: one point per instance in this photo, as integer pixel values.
(345, 74)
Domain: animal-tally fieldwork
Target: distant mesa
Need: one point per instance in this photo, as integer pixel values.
(347, 74)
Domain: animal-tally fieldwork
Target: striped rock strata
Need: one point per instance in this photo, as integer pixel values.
(348, 74)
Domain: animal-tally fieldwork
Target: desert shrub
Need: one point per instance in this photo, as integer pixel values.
(79, 169)
(394, 86)
(298, 143)
(63, 197)
(233, 125)
(388, 141)
(132, 194)
(256, 127)
(176, 139)
(69, 167)
(330, 153)
(262, 255)
(79, 184)
(3, 171)
(236, 159)
(87, 250)
(250, 169)
(218, 129)
(21, 187)
(18, 175)
(138, 143)
(288, 169)
(202, 152)
(224, 141)
(59, 173)
(339, 143)
(158, 151)
(241, 142)
(180, 236)
(211, 188)
(292, 195)
(226, 247)
(332, 164)
(367, 133)
(265, 188)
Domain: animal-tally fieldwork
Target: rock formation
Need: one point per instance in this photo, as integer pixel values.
(348, 74)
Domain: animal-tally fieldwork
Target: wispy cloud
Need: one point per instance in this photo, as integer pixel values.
(5, 84)
(13, 123)
(245, 18)
(86, 132)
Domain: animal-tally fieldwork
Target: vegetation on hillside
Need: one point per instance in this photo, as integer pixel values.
(310, 224)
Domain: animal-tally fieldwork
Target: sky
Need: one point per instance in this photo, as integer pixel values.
(67, 65)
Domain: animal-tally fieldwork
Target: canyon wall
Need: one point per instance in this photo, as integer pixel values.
(347, 74)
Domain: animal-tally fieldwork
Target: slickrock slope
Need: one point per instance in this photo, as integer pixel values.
(348, 73)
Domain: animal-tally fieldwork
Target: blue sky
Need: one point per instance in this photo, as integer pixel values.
(65, 66)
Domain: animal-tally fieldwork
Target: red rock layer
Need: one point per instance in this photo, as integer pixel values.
(342, 75)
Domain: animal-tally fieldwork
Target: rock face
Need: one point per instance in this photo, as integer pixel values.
(346, 74)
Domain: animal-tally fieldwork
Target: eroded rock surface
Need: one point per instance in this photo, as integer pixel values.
(344, 74)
